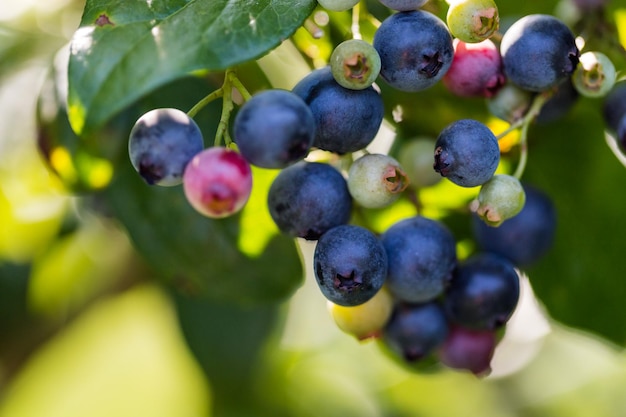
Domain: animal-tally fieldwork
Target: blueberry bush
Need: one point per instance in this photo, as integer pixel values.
(312, 208)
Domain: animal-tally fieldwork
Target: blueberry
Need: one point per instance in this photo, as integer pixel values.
(308, 198)
(346, 120)
(161, 144)
(217, 182)
(563, 98)
(614, 106)
(274, 129)
(350, 265)
(476, 69)
(404, 5)
(470, 350)
(415, 331)
(415, 50)
(500, 198)
(376, 180)
(355, 64)
(422, 256)
(467, 153)
(524, 238)
(338, 5)
(620, 135)
(510, 103)
(539, 52)
(483, 293)
(415, 155)
(595, 74)
(365, 320)
(473, 20)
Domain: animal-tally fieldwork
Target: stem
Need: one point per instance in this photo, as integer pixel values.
(236, 83)
(231, 81)
(538, 102)
(514, 126)
(202, 103)
(523, 157)
(356, 18)
(227, 108)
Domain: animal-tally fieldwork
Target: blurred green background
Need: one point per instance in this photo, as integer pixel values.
(87, 329)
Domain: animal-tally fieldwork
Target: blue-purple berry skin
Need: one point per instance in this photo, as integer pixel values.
(467, 153)
(274, 129)
(558, 105)
(524, 238)
(614, 106)
(483, 293)
(350, 265)
(307, 199)
(346, 120)
(539, 52)
(415, 331)
(620, 135)
(422, 256)
(161, 144)
(415, 49)
(404, 5)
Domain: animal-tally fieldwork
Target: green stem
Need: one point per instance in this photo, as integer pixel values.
(227, 108)
(202, 103)
(534, 110)
(226, 93)
(236, 83)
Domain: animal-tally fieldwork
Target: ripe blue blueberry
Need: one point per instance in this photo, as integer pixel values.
(524, 238)
(422, 256)
(161, 144)
(539, 52)
(483, 292)
(414, 331)
(415, 50)
(274, 129)
(308, 198)
(561, 101)
(404, 5)
(614, 106)
(346, 120)
(467, 153)
(350, 265)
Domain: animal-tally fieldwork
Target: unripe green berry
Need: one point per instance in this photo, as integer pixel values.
(355, 64)
(416, 157)
(595, 74)
(510, 103)
(500, 198)
(473, 20)
(376, 180)
(364, 320)
(337, 5)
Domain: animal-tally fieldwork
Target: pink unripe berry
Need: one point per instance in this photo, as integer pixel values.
(476, 69)
(217, 182)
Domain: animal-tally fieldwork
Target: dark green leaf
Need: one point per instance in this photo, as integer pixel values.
(227, 341)
(201, 254)
(124, 50)
(581, 281)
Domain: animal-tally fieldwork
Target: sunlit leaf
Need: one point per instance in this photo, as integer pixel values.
(124, 50)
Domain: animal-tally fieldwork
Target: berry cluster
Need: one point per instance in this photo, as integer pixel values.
(407, 286)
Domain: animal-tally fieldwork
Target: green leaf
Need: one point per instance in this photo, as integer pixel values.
(199, 254)
(124, 50)
(581, 280)
(227, 341)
